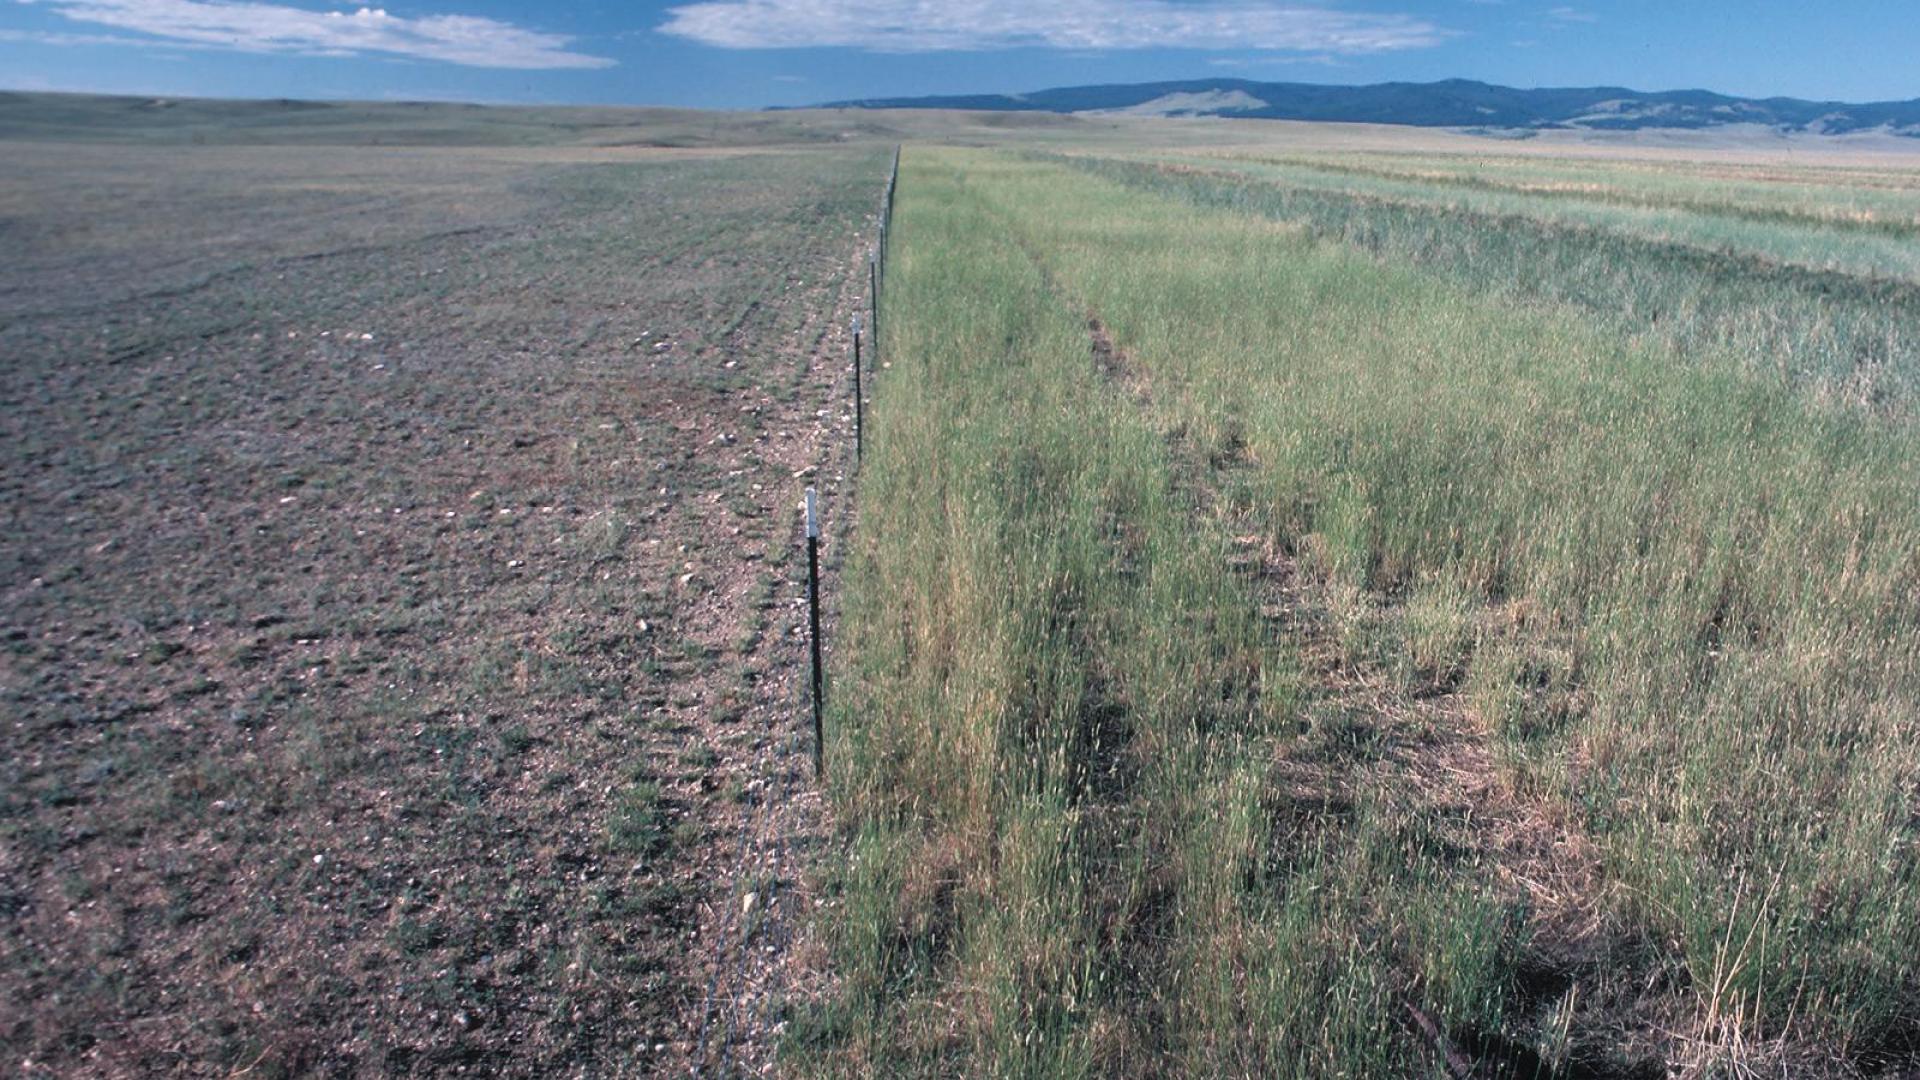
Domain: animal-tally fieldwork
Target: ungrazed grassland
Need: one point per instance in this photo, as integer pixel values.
(1262, 657)
(1803, 304)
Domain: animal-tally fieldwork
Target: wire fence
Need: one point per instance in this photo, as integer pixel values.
(740, 1011)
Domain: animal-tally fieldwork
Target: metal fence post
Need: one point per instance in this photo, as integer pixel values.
(859, 400)
(813, 622)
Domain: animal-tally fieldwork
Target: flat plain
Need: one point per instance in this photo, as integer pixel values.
(399, 599)
(1317, 600)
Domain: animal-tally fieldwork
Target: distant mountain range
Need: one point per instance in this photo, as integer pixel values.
(1460, 103)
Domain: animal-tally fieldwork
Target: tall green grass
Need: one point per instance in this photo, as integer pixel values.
(1102, 820)
(1052, 742)
(1832, 198)
(1695, 599)
(1779, 230)
(1847, 339)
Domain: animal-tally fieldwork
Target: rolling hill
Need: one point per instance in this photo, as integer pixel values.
(1452, 103)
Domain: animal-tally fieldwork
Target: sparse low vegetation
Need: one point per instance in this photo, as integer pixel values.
(382, 685)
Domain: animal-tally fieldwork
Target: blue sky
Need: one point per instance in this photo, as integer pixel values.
(750, 53)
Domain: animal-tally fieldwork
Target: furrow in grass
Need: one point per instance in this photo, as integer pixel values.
(1829, 247)
(1050, 671)
(1379, 731)
(1667, 589)
(1067, 743)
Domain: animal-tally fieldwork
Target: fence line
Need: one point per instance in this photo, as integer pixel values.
(876, 289)
(725, 1019)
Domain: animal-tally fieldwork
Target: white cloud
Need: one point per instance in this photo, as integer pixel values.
(1321, 59)
(1572, 15)
(55, 37)
(279, 28)
(930, 25)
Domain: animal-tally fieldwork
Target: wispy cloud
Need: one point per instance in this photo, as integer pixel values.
(280, 28)
(934, 25)
(1571, 15)
(1320, 59)
(56, 37)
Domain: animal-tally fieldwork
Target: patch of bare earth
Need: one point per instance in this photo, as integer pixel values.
(395, 624)
(767, 816)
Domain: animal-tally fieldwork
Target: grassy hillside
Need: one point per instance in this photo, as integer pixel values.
(1446, 103)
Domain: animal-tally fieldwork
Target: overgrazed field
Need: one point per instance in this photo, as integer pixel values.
(1292, 634)
(398, 602)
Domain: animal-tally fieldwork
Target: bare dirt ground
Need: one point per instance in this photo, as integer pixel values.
(403, 665)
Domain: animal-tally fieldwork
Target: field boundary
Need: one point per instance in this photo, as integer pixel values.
(769, 962)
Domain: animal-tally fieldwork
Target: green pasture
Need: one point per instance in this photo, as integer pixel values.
(1541, 597)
